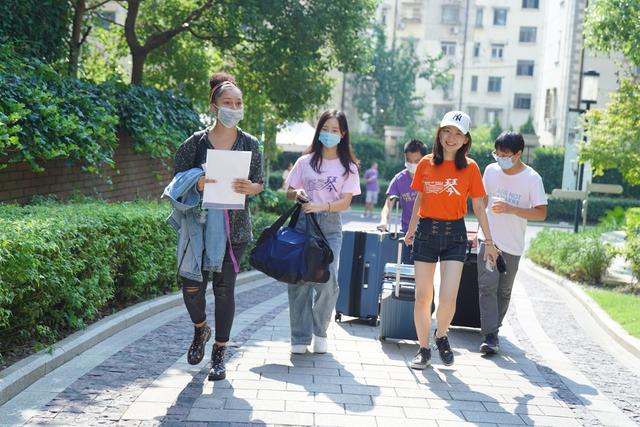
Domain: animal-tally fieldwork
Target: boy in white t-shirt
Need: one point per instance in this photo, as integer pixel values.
(515, 194)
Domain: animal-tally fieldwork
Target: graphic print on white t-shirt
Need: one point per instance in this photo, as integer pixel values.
(447, 186)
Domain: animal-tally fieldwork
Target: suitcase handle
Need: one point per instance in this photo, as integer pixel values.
(395, 203)
(397, 287)
(365, 275)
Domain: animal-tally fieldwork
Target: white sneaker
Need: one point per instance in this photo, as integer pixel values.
(298, 348)
(320, 344)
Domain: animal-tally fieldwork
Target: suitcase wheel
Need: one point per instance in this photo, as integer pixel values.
(374, 321)
(338, 317)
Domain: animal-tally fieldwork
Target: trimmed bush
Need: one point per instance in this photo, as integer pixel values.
(62, 265)
(632, 253)
(579, 256)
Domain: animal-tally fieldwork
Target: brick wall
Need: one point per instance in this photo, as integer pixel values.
(135, 176)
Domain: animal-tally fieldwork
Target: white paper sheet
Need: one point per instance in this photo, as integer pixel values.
(225, 166)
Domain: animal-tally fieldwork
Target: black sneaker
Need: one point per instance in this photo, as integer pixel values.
(491, 344)
(422, 358)
(446, 355)
(201, 335)
(217, 371)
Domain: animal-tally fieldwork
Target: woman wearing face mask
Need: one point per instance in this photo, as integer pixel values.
(443, 180)
(324, 180)
(225, 100)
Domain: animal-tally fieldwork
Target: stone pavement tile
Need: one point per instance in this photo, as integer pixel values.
(315, 388)
(378, 373)
(377, 410)
(314, 371)
(479, 397)
(393, 383)
(210, 403)
(555, 411)
(246, 416)
(412, 402)
(404, 422)
(146, 410)
(613, 419)
(359, 399)
(221, 393)
(368, 390)
(545, 420)
(324, 379)
(315, 407)
(423, 392)
(259, 385)
(300, 396)
(545, 401)
(160, 394)
(266, 405)
(456, 404)
(493, 417)
(344, 420)
(446, 423)
(514, 408)
(434, 414)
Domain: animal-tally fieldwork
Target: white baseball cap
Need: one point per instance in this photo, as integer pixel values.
(458, 119)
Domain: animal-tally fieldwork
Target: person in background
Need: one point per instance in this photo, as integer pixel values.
(515, 194)
(372, 186)
(400, 186)
(285, 175)
(324, 180)
(444, 180)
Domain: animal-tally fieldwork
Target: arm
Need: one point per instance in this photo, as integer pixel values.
(413, 224)
(339, 205)
(384, 215)
(536, 213)
(479, 206)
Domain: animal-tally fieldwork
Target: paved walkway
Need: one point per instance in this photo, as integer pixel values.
(553, 370)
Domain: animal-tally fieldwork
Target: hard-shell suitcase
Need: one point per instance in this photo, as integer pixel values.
(398, 300)
(467, 303)
(362, 259)
(363, 256)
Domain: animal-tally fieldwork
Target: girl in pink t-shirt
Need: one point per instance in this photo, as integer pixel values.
(324, 180)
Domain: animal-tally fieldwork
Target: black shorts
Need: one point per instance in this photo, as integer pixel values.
(437, 240)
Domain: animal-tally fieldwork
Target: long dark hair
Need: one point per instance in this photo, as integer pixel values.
(345, 154)
(461, 154)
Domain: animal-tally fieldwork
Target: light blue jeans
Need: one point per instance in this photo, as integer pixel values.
(311, 304)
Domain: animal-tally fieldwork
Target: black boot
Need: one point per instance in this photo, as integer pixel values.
(200, 337)
(217, 371)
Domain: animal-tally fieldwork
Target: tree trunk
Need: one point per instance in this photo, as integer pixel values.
(138, 56)
(79, 10)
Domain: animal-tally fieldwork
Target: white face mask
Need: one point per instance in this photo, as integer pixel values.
(230, 117)
(411, 167)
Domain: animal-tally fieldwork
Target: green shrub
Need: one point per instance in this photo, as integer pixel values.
(632, 252)
(61, 265)
(582, 256)
(271, 201)
(549, 163)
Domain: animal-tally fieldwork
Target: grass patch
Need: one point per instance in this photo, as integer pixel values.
(623, 308)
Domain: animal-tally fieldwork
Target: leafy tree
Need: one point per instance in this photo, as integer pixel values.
(385, 95)
(36, 27)
(496, 130)
(527, 127)
(614, 133)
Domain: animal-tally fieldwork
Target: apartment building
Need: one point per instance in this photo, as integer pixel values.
(493, 48)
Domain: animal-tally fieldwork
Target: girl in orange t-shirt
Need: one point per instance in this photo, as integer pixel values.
(443, 180)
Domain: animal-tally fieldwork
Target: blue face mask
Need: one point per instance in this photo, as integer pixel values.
(329, 139)
(505, 163)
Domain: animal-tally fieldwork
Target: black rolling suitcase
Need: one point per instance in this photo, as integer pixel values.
(468, 303)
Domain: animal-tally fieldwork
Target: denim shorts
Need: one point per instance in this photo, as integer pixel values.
(437, 240)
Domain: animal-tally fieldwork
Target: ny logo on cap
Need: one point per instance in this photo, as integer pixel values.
(457, 117)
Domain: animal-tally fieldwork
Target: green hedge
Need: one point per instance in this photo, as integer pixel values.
(579, 256)
(44, 115)
(61, 265)
(633, 241)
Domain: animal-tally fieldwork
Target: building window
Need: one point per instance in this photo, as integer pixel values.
(530, 4)
(450, 14)
(500, 16)
(495, 84)
(479, 16)
(493, 115)
(412, 13)
(524, 68)
(383, 18)
(522, 101)
(528, 34)
(448, 48)
(441, 110)
(447, 91)
(497, 51)
(474, 83)
(476, 50)
(473, 113)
